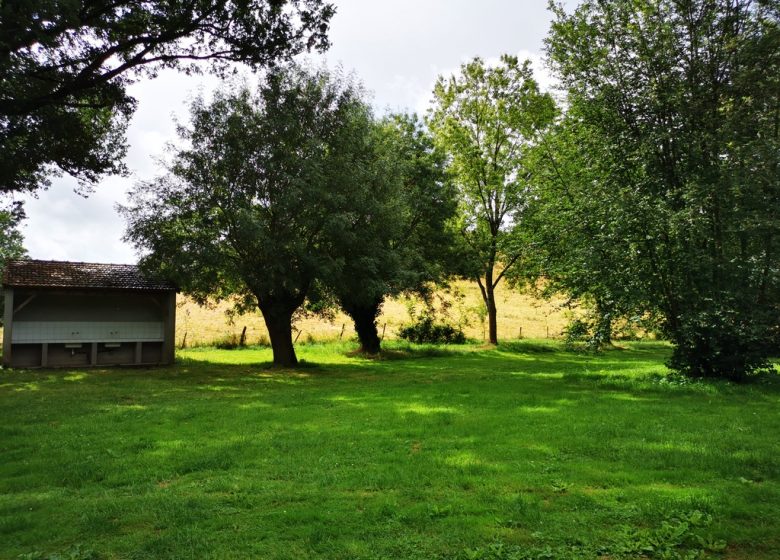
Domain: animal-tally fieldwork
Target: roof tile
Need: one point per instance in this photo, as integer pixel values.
(61, 274)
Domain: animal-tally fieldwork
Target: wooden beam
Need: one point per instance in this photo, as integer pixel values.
(45, 355)
(138, 352)
(8, 326)
(25, 302)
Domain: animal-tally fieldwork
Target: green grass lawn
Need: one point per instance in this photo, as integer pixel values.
(528, 451)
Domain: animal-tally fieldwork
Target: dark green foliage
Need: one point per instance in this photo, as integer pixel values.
(595, 331)
(660, 185)
(231, 342)
(264, 191)
(723, 342)
(579, 331)
(65, 66)
(398, 239)
(424, 329)
(772, 342)
(576, 233)
(11, 238)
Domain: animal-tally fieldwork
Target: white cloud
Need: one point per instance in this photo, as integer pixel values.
(396, 48)
(62, 225)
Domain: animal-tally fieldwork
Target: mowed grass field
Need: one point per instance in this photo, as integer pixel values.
(519, 315)
(524, 451)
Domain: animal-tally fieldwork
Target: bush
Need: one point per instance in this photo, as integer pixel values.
(232, 341)
(263, 340)
(229, 342)
(585, 334)
(719, 344)
(425, 329)
(576, 331)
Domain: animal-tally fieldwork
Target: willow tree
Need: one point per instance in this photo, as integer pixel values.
(486, 118)
(400, 237)
(254, 203)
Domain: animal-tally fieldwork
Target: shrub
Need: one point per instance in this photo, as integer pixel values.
(229, 342)
(263, 340)
(232, 341)
(576, 331)
(424, 329)
(720, 345)
(584, 334)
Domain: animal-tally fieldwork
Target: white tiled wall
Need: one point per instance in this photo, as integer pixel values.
(89, 331)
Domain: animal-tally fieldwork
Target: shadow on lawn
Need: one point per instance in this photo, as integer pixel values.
(515, 358)
(633, 367)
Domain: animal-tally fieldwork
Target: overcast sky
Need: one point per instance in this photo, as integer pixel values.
(396, 48)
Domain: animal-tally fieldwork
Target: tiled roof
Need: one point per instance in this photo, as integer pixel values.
(60, 274)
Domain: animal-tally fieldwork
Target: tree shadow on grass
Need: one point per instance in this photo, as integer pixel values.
(529, 347)
(635, 367)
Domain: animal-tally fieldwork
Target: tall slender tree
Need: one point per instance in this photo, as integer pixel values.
(485, 119)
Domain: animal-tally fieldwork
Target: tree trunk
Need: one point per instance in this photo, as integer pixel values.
(279, 324)
(489, 298)
(364, 317)
(490, 303)
(603, 332)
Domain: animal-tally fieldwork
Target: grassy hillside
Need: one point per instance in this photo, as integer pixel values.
(518, 315)
(525, 451)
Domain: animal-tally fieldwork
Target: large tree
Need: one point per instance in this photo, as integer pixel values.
(254, 203)
(65, 66)
(575, 244)
(400, 236)
(683, 98)
(485, 118)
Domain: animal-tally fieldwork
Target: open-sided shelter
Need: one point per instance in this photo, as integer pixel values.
(61, 314)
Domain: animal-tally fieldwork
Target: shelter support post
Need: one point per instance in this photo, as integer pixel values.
(8, 326)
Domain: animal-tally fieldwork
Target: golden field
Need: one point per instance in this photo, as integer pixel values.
(519, 315)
